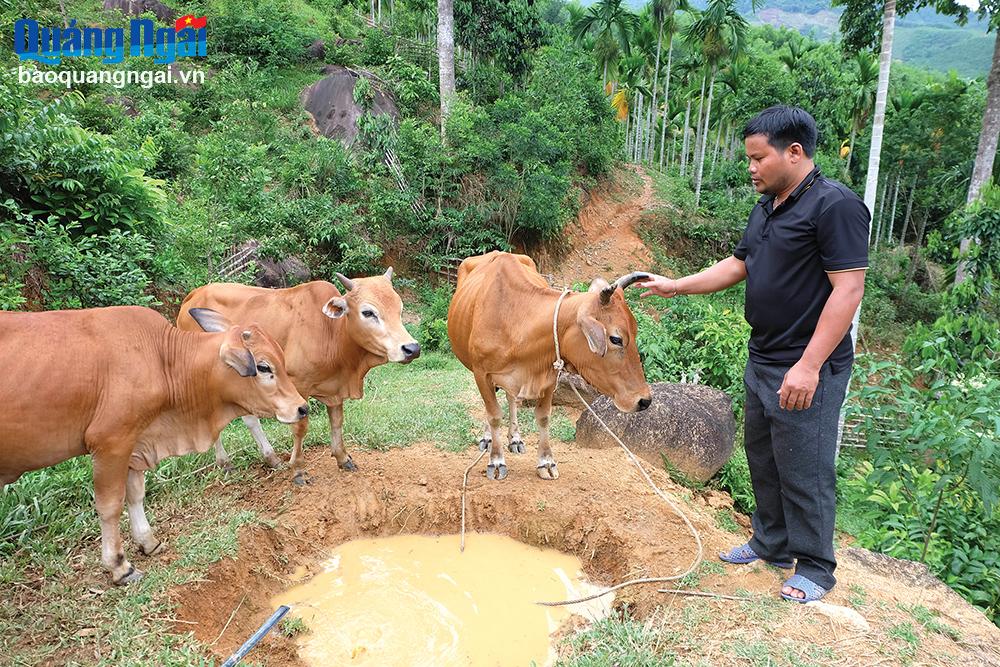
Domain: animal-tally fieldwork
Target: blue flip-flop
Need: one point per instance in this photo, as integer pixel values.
(812, 590)
(743, 554)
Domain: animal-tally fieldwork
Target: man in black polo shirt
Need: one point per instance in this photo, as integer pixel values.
(803, 255)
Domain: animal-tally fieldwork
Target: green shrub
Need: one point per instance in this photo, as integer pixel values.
(928, 485)
(433, 330)
(274, 32)
(377, 47)
(52, 168)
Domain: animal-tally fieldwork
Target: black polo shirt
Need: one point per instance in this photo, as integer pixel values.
(821, 228)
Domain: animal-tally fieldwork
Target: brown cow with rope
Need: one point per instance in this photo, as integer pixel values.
(505, 324)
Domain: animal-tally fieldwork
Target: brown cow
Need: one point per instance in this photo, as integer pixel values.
(500, 326)
(331, 341)
(124, 386)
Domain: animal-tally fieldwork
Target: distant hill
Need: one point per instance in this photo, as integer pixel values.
(923, 38)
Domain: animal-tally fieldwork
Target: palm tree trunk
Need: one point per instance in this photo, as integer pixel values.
(909, 209)
(715, 154)
(704, 140)
(698, 129)
(604, 79)
(986, 152)
(850, 154)
(446, 58)
(892, 215)
(687, 132)
(881, 210)
(875, 153)
(666, 94)
(628, 135)
(656, 81)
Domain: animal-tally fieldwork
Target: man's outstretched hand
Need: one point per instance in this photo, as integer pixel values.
(658, 286)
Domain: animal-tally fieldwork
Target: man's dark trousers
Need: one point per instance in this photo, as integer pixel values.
(792, 455)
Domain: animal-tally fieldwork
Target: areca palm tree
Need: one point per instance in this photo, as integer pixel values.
(664, 12)
(607, 18)
(863, 97)
(719, 32)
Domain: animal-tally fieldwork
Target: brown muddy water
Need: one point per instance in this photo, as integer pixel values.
(417, 600)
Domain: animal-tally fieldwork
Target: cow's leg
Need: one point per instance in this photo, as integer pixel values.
(135, 493)
(335, 411)
(487, 439)
(299, 430)
(270, 458)
(110, 471)
(514, 442)
(497, 467)
(221, 456)
(546, 467)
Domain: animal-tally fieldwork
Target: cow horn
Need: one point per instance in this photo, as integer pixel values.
(348, 283)
(622, 282)
(388, 274)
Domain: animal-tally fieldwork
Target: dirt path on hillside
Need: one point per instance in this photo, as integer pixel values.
(603, 240)
(600, 510)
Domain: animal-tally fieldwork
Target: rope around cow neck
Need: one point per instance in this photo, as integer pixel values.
(559, 366)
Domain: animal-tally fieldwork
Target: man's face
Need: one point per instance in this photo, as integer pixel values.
(770, 168)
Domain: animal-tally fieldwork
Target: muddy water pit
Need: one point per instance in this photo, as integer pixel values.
(599, 511)
(416, 600)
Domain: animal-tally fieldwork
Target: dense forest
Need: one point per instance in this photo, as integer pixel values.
(135, 195)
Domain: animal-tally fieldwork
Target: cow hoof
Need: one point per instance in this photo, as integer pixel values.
(516, 447)
(496, 471)
(484, 444)
(158, 549)
(129, 577)
(226, 466)
(348, 465)
(274, 462)
(302, 478)
(548, 471)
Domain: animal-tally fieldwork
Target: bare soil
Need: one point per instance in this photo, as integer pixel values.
(603, 239)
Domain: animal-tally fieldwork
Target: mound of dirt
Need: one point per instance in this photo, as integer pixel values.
(603, 240)
(600, 510)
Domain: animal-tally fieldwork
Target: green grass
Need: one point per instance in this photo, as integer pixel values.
(724, 520)
(618, 641)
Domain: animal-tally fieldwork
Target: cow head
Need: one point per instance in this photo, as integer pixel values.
(603, 348)
(373, 314)
(263, 387)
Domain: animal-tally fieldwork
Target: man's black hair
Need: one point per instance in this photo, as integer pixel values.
(783, 126)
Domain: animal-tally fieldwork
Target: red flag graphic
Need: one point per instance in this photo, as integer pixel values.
(189, 21)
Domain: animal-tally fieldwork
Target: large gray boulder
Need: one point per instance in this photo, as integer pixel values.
(691, 425)
(330, 101)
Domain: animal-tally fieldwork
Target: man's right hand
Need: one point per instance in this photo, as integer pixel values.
(659, 286)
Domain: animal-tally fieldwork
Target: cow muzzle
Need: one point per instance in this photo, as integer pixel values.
(410, 352)
(294, 415)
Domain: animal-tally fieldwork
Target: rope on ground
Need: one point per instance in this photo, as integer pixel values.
(704, 594)
(465, 482)
(558, 365)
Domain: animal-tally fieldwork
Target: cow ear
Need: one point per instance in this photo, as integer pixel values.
(335, 308)
(597, 337)
(597, 285)
(209, 320)
(235, 355)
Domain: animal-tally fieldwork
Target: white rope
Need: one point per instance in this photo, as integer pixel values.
(558, 365)
(465, 482)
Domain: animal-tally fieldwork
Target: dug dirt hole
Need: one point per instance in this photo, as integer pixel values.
(598, 512)
(417, 600)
